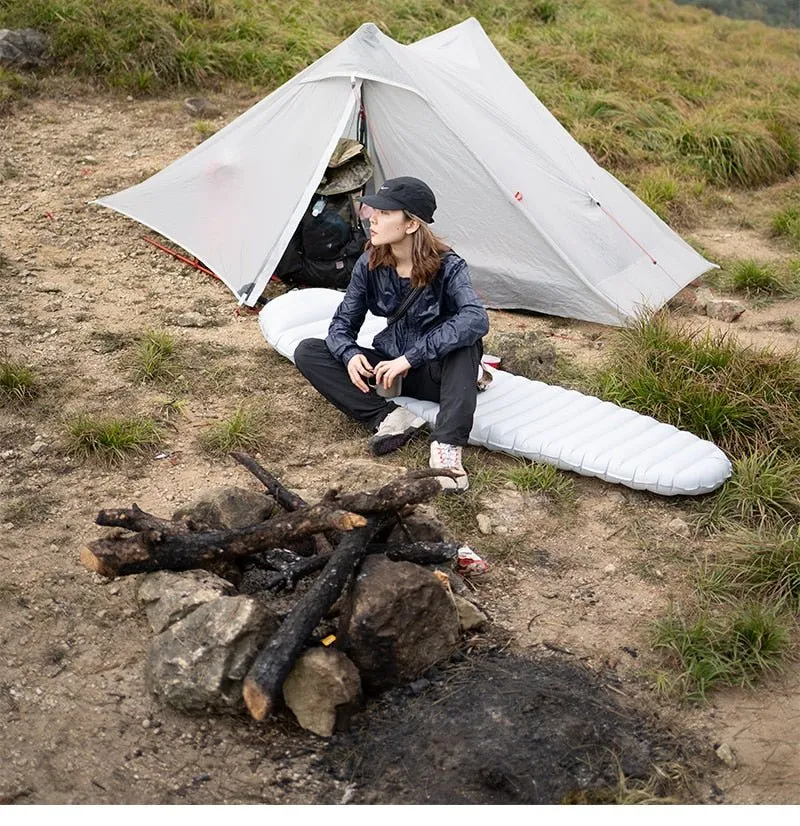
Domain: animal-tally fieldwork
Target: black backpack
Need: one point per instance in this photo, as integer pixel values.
(325, 246)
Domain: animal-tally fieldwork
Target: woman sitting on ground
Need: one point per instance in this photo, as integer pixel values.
(434, 347)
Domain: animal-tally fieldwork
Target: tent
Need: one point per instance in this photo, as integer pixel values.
(542, 226)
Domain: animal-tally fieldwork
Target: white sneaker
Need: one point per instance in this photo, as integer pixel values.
(399, 427)
(449, 457)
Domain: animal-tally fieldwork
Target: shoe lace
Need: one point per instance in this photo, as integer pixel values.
(446, 455)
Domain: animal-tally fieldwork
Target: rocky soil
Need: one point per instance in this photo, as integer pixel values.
(570, 593)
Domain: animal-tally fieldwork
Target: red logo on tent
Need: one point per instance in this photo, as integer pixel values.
(518, 196)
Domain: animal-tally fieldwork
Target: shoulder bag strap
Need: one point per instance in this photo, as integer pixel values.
(405, 306)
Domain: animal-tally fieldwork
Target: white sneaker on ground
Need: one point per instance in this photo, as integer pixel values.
(449, 457)
(399, 427)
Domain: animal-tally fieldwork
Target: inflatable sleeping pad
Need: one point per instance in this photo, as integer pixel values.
(534, 420)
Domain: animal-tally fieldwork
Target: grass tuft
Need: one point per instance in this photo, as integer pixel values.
(242, 430)
(541, 478)
(112, 439)
(155, 357)
(739, 397)
(754, 279)
(763, 565)
(762, 492)
(735, 152)
(733, 649)
(786, 224)
(17, 380)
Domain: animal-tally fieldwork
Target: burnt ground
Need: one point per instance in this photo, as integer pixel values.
(507, 729)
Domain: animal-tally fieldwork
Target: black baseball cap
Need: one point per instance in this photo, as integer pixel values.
(410, 194)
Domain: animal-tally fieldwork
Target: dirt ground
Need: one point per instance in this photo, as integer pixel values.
(570, 593)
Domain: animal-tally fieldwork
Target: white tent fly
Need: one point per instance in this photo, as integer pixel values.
(541, 225)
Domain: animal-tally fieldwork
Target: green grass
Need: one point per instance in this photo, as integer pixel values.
(112, 439)
(17, 380)
(242, 430)
(786, 224)
(761, 565)
(542, 478)
(755, 279)
(155, 357)
(731, 151)
(739, 397)
(763, 491)
(733, 649)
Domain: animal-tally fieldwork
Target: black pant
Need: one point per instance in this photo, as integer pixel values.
(452, 382)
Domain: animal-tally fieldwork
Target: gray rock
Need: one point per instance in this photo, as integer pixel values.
(470, 617)
(228, 507)
(169, 596)
(680, 527)
(200, 662)
(421, 528)
(22, 48)
(725, 753)
(192, 319)
(484, 523)
(525, 354)
(724, 310)
(321, 681)
(397, 622)
(201, 107)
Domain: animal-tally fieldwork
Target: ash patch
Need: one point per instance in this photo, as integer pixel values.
(502, 730)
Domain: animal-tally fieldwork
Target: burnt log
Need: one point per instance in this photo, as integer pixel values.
(411, 489)
(264, 681)
(286, 498)
(155, 549)
(135, 519)
(288, 572)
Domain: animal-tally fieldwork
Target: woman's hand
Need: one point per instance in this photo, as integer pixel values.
(358, 368)
(387, 371)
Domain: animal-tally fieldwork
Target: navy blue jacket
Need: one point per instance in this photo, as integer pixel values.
(446, 316)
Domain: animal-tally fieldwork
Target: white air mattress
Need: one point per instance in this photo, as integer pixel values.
(534, 420)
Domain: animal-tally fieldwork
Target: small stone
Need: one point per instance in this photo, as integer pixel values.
(725, 753)
(201, 107)
(418, 686)
(501, 530)
(610, 569)
(192, 319)
(146, 723)
(680, 527)
(38, 447)
(724, 310)
(484, 524)
(470, 617)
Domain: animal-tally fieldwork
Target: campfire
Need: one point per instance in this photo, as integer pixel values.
(390, 614)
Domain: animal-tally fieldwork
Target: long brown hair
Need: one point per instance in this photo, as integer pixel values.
(426, 254)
